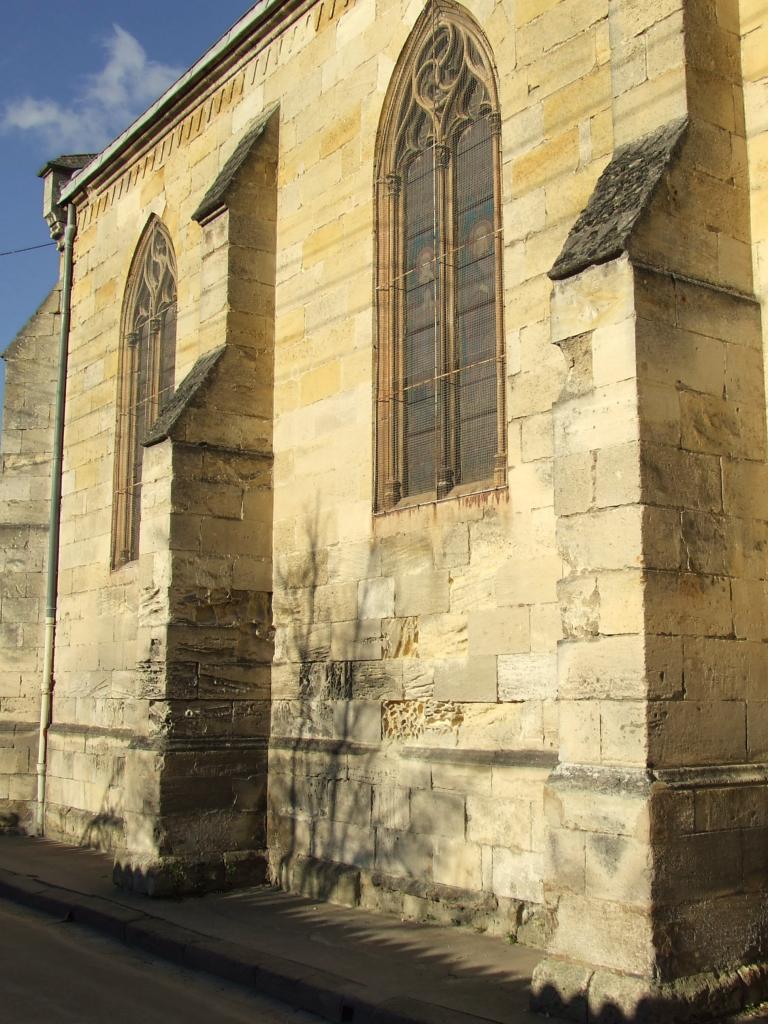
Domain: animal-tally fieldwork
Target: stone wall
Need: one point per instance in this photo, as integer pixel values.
(25, 484)
(661, 785)
(753, 25)
(177, 786)
(430, 628)
(439, 622)
(537, 710)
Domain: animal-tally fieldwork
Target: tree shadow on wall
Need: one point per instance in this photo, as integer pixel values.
(312, 722)
(104, 830)
(327, 833)
(327, 796)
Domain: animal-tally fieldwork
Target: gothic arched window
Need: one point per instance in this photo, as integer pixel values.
(145, 376)
(440, 350)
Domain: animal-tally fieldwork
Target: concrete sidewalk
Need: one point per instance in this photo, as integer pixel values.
(345, 965)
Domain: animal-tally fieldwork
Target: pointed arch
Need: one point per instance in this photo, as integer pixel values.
(440, 421)
(146, 375)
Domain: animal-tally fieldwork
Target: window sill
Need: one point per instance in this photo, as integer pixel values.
(464, 495)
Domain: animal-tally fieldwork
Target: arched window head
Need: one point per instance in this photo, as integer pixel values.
(440, 426)
(145, 378)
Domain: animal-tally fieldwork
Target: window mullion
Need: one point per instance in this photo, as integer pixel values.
(153, 370)
(444, 325)
(500, 462)
(131, 400)
(452, 377)
(395, 331)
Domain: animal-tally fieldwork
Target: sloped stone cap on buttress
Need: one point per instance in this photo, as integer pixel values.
(215, 199)
(184, 397)
(622, 193)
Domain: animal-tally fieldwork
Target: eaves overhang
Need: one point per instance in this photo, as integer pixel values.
(262, 16)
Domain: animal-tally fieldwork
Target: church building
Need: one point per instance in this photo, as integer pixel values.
(400, 532)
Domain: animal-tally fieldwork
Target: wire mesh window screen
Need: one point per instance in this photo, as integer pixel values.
(440, 416)
(146, 378)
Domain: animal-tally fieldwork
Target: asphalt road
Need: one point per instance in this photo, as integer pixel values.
(55, 972)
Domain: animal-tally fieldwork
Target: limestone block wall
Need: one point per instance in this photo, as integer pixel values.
(438, 624)
(101, 701)
(416, 651)
(432, 664)
(177, 785)
(663, 665)
(660, 791)
(194, 785)
(30, 385)
(713, 598)
(753, 25)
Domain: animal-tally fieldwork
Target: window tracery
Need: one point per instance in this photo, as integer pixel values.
(146, 376)
(440, 353)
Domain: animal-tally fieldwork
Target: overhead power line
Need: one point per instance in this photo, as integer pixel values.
(12, 252)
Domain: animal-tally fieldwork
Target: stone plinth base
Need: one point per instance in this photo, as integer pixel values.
(413, 899)
(595, 996)
(179, 876)
(15, 817)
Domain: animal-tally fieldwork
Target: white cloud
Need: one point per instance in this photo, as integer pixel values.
(105, 103)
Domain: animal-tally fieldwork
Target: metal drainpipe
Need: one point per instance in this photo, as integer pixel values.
(46, 689)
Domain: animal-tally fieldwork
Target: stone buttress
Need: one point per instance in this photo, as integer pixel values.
(195, 776)
(657, 810)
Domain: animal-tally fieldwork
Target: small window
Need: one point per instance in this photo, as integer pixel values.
(146, 376)
(440, 426)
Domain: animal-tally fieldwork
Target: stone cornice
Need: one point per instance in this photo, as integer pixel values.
(264, 21)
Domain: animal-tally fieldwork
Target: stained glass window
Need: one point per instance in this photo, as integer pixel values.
(146, 377)
(440, 397)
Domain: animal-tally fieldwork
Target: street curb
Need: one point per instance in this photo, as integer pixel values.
(305, 988)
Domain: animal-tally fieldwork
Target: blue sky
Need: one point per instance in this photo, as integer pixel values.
(72, 76)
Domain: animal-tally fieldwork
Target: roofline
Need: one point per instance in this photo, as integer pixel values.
(239, 31)
(76, 163)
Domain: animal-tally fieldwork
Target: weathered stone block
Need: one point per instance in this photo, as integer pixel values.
(696, 732)
(453, 549)
(422, 593)
(606, 539)
(462, 778)
(376, 598)
(619, 936)
(400, 637)
(723, 669)
(350, 802)
(518, 874)
(359, 640)
(618, 868)
(574, 482)
(443, 636)
(688, 603)
(437, 813)
(404, 853)
(502, 631)
(391, 807)
(457, 863)
(466, 679)
(566, 860)
(527, 676)
(493, 822)
(617, 475)
(528, 580)
(342, 843)
(357, 720)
